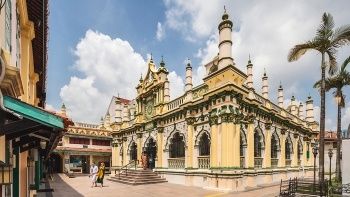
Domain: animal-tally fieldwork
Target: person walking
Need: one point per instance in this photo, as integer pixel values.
(93, 174)
(101, 173)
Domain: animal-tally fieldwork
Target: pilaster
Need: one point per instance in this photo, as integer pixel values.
(267, 154)
(189, 156)
(282, 161)
(214, 141)
(139, 147)
(125, 152)
(250, 145)
(295, 151)
(236, 157)
(159, 163)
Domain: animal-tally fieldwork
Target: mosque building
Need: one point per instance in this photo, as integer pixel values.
(221, 134)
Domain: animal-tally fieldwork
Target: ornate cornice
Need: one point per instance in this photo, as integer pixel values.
(190, 120)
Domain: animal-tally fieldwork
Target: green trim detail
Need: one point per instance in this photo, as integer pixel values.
(33, 113)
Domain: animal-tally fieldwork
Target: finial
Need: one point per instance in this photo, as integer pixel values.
(225, 15)
(162, 64)
(101, 118)
(118, 94)
(151, 60)
(63, 106)
(224, 9)
(280, 85)
(293, 97)
(249, 61)
(264, 72)
(309, 97)
(188, 62)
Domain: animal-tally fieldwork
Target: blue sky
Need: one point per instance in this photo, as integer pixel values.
(99, 47)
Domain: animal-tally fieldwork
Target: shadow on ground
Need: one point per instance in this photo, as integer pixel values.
(61, 188)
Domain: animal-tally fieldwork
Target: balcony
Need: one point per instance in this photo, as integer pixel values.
(242, 162)
(288, 162)
(12, 83)
(203, 162)
(176, 163)
(274, 162)
(258, 162)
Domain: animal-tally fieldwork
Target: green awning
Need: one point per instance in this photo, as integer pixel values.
(33, 113)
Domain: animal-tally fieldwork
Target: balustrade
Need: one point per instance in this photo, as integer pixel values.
(274, 162)
(176, 163)
(258, 162)
(204, 162)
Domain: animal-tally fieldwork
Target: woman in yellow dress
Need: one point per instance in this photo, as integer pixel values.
(101, 173)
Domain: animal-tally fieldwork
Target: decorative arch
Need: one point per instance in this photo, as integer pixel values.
(171, 135)
(129, 145)
(288, 147)
(275, 145)
(148, 139)
(243, 137)
(259, 142)
(199, 135)
(177, 146)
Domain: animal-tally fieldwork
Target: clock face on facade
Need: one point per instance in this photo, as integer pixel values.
(149, 109)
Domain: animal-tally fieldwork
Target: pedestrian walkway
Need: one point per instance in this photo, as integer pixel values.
(80, 186)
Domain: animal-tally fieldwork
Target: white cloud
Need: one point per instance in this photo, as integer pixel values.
(346, 116)
(107, 66)
(160, 32)
(50, 108)
(176, 85)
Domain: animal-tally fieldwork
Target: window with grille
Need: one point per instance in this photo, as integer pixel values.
(101, 142)
(257, 145)
(274, 147)
(204, 145)
(73, 140)
(177, 146)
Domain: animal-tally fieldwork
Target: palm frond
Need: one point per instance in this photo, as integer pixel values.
(325, 30)
(299, 50)
(333, 65)
(341, 36)
(345, 63)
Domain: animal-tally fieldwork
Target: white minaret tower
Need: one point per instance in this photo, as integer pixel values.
(63, 110)
(225, 42)
(280, 97)
(301, 110)
(188, 85)
(309, 110)
(166, 90)
(118, 110)
(265, 86)
(250, 74)
(293, 106)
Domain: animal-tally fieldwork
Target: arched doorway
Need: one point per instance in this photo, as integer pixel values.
(151, 151)
(177, 146)
(133, 151)
(56, 163)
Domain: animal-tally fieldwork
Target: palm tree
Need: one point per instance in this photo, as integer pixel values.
(326, 42)
(338, 82)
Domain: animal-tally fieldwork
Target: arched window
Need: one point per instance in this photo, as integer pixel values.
(204, 145)
(274, 147)
(133, 151)
(288, 148)
(257, 144)
(300, 150)
(177, 146)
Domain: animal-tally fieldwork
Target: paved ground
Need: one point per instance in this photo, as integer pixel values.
(80, 186)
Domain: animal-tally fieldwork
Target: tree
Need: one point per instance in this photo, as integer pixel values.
(326, 42)
(338, 82)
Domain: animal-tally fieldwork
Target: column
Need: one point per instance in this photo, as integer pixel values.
(190, 146)
(139, 147)
(282, 160)
(223, 139)
(295, 152)
(125, 152)
(236, 157)
(214, 141)
(159, 163)
(250, 145)
(267, 155)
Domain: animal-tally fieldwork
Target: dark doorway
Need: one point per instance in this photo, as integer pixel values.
(85, 164)
(133, 151)
(151, 151)
(56, 163)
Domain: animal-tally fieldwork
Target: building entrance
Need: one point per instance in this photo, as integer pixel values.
(151, 151)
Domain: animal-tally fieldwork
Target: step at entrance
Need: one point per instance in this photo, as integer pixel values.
(138, 177)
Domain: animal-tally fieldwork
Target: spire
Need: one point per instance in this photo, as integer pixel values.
(162, 64)
(309, 109)
(225, 15)
(280, 87)
(265, 86)
(280, 97)
(250, 73)
(151, 60)
(225, 45)
(249, 61)
(188, 85)
(63, 109)
(188, 63)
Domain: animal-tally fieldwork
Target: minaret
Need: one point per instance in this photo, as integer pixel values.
(101, 123)
(188, 85)
(265, 86)
(118, 110)
(166, 90)
(107, 121)
(63, 110)
(309, 110)
(250, 74)
(293, 106)
(301, 110)
(280, 97)
(225, 42)
(125, 113)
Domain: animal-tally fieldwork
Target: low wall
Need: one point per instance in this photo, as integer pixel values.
(234, 180)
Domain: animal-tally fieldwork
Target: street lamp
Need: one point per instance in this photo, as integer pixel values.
(315, 152)
(330, 154)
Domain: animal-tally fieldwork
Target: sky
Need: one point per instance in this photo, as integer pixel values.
(99, 48)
